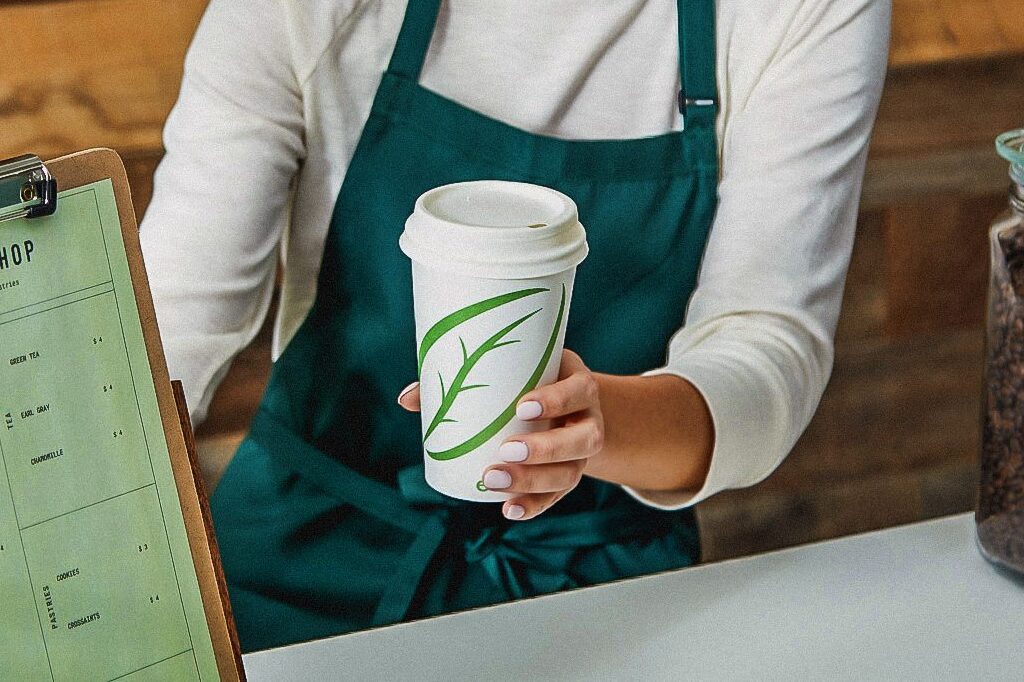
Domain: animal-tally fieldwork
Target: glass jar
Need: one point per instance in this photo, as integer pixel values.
(1000, 512)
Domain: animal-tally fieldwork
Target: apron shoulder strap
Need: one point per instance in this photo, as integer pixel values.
(414, 38)
(698, 96)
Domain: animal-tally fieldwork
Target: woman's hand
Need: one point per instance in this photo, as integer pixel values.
(540, 468)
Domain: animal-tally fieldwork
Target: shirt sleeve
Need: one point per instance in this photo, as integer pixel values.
(210, 238)
(758, 337)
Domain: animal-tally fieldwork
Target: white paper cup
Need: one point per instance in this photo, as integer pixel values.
(493, 265)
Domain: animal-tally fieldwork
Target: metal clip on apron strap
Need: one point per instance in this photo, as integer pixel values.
(27, 190)
(698, 94)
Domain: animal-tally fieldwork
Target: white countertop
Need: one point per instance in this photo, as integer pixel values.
(911, 603)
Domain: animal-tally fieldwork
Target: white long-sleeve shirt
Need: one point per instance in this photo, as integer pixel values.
(276, 92)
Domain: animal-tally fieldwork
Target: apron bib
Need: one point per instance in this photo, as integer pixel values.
(324, 520)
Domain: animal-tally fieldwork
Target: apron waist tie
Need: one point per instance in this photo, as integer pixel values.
(503, 548)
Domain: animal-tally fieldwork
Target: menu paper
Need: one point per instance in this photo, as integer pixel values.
(96, 575)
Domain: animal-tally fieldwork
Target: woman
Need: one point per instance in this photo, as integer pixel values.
(743, 163)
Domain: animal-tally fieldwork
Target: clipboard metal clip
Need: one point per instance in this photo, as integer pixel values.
(27, 189)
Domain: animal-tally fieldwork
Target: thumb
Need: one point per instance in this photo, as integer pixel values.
(409, 398)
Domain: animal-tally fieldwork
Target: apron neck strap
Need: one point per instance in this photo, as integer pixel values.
(698, 95)
(414, 38)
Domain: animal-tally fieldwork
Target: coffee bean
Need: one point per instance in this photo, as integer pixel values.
(1000, 512)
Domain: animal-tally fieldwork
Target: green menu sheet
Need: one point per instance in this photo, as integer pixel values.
(96, 576)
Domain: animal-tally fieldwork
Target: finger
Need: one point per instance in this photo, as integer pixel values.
(576, 392)
(576, 440)
(540, 478)
(527, 507)
(571, 363)
(409, 398)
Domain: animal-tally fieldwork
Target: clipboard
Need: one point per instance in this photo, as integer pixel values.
(29, 193)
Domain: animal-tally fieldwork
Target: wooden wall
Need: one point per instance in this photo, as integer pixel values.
(897, 431)
(88, 73)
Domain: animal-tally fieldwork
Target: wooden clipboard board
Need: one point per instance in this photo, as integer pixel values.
(84, 168)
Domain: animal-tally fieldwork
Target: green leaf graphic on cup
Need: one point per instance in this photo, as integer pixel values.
(458, 385)
(469, 360)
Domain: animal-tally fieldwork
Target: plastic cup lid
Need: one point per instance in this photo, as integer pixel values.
(495, 229)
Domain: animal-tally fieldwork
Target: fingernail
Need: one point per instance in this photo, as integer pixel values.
(496, 479)
(531, 409)
(513, 451)
(514, 512)
(407, 389)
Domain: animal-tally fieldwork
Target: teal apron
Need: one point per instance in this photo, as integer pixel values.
(324, 520)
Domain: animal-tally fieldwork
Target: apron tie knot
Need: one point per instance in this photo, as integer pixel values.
(481, 547)
(520, 558)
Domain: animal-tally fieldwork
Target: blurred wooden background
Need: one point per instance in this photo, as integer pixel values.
(896, 437)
